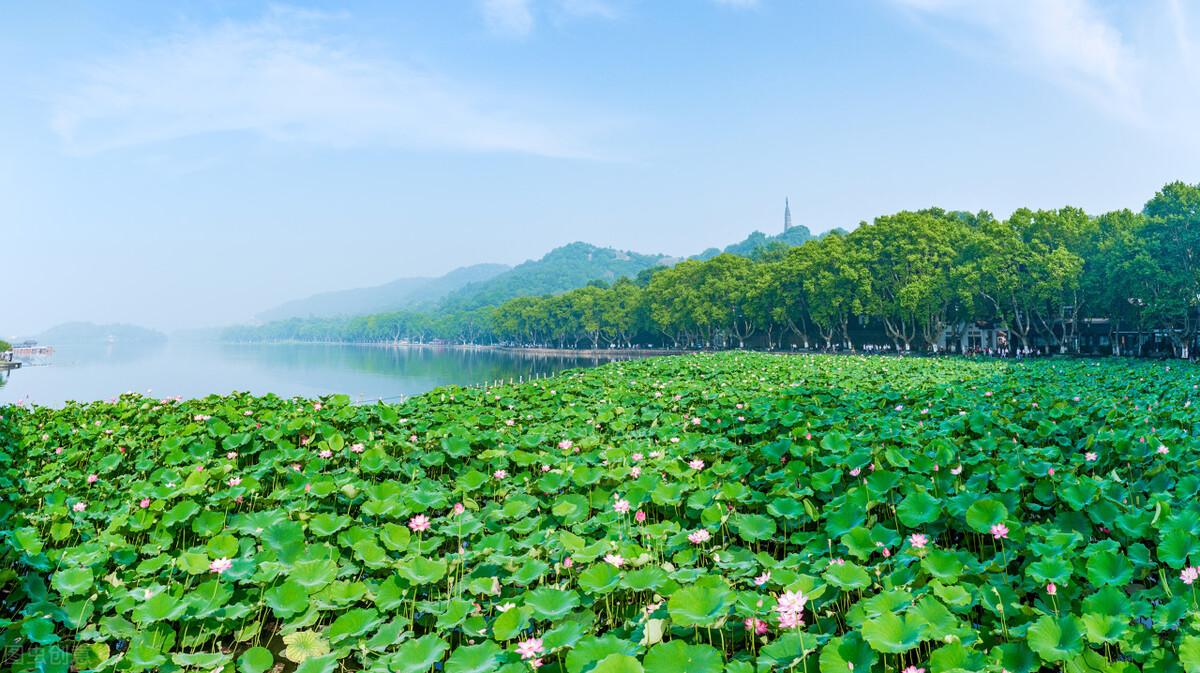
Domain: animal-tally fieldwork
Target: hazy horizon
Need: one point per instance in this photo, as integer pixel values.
(190, 165)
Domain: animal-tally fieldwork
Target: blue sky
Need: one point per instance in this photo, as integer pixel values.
(189, 164)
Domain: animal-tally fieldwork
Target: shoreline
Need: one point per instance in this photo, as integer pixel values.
(561, 352)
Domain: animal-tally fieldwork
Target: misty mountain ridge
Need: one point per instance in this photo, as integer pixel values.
(397, 295)
(467, 288)
(92, 333)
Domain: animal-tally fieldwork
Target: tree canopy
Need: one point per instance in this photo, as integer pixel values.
(915, 275)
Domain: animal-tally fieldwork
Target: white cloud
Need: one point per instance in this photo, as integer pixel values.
(1136, 62)
(1069, 41)
(509, 17)
(277, 78)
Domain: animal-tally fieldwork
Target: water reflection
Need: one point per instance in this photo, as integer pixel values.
(187, 369)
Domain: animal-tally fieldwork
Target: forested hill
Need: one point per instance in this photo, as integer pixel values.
(86, 332)
(758, 243)
(566, 268)
(404, 293)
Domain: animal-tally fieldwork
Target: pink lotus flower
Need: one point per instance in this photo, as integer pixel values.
(696, 420)
(1051, 589)
(914, 669)
(699, 537)
(640, 516)
(144, 503)
(790, 620)
(220, 565)
(308, 488)
(635, 471)
(614, 560)
(325, 453)
(1050, 472)
(696, 464)
(529, 649)
(231, 455)
(568, 562)
(91, 478)
(459, 508)
(1163, 449)
(79, 506)
(1090, 456)
(565, 444)
(509, 422)
(755, 626)
(1000, 531)
(790, 608)
(419, 523)
(621, 506)
(918, 540)
(500, 474)
(357, 447)
(763, 578)
(636, 457)
(1189, 574)
(855, 472)
(316, 406)
(956, 470)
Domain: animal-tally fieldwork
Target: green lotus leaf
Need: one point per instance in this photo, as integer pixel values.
(847, 653)
(985, 513)
(891, 634)
(205, 660)
(847, 576)
(352, 624)
(327, 663)
(591, 650)
(600, 578)
(481, 658)
(72, 581)
(1055, 639)
(703, 604)
(420, 570)
(679, 657)
(89, 656)
(417, 656)
(1109, 568)
(551, 604)
(255, 660)
(304, 645)
(754, 527)
(918, 508)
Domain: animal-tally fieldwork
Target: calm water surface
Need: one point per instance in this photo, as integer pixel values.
(98, 372)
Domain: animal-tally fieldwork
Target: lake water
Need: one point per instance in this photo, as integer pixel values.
(85, 373)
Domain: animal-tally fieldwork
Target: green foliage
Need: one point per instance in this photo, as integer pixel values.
(911, 276)
(870, 490)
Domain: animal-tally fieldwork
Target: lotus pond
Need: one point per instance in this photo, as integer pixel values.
(700, 514)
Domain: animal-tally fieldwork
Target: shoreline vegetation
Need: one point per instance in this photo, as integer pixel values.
(1040, 281)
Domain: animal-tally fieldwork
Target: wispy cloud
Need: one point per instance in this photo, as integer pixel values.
(509, 17)
(1135, 62)
(519, 18)
(1069, 41)
(283, 77)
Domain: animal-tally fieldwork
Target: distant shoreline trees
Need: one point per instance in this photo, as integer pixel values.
(912, 280)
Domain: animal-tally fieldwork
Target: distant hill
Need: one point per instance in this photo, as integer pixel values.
(89, 333)
(404, 293)
(757, 243)
(566, 268)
